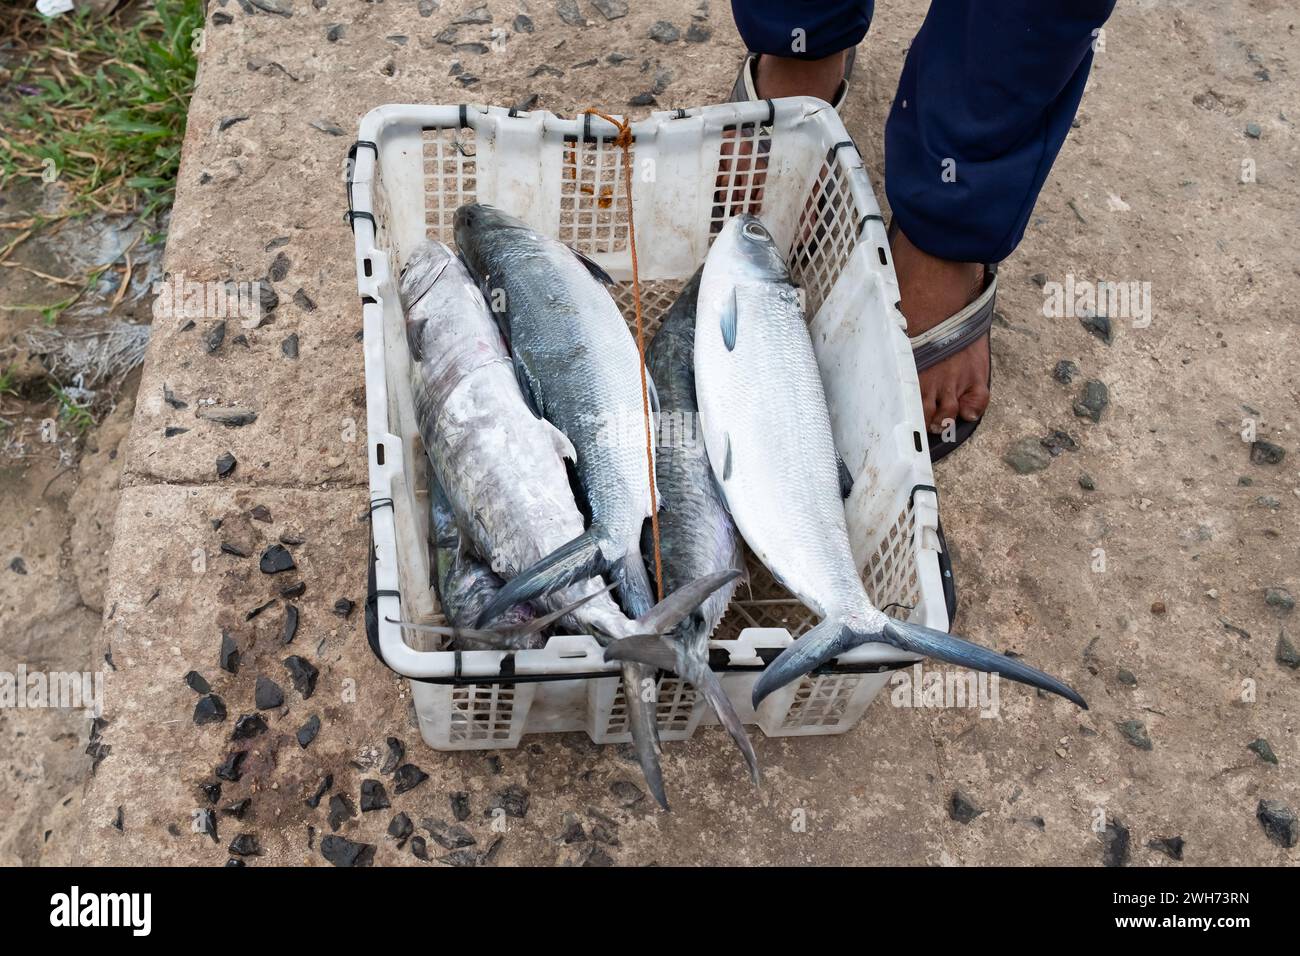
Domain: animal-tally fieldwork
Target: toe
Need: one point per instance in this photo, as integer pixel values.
(973, 402)
(946, 412)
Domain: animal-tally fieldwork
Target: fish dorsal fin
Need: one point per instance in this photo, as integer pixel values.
(726, 459)
(593, 267)
(529, 387)
(846, 477)
(729, 321)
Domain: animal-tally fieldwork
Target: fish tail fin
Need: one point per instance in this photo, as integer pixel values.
(813, 649)
(918, 639)
(515, 637)
(676, 607)
(832, 637)
(661, 653)
(575, 561)
(635, 592)
(644, 727)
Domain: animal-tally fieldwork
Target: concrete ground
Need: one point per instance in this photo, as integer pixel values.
(1175, 632)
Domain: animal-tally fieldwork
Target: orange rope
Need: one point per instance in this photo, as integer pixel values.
(624, 141)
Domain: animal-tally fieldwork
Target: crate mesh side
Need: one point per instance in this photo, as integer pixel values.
(741, 173)
(593, 195)
(481, 712)
(821, 701)
(825, 236)
(673, 709)
(890, 576)
(450, 178)
(657, 296)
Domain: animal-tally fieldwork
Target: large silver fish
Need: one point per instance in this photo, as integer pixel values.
(768, 433)
(697, 536)
(502, 467)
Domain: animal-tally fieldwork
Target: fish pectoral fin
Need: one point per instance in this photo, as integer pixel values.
(729, 321)
(563, 447)
(529, 387)
(644, 649)
(846, 477)
(593, 266)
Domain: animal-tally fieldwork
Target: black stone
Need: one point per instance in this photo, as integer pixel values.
(513, 800)
(664, 32)
(596, 856)
(207, 823)
(419, 849)
(294, 590)
(341, 809)
(569, 13)
(210, 709)
(409, 776)
(396, 751)
(290, 346)
(449, 836)
(245, 845)
(276, 559)
(373, 796)
(1262, 749)
(643, 99)
(460, 805)
(1115, 844)
(170, 398)
(229, 417)
(248, 726)
(261, 513)
(1286, 653)
(214, 336)
(335, 31)
(1059, 441)
(226, 465)
(1065, 371)
(303, 674)
(212, 791)
(195, 682)
(573, 831)
(290, 627)
(523, 24)
(235, 863)
(1093, 402)
(279, 267)
(238, 808)
(626, 792)
(234, 550)
(400, 828)
(962, 808)
(696, 33)
(325, 785)
(1266, 453)
(259, 609)
(228, 660)
(18, 565)
(308, 731)
(1171, 847)
(1135, 732)
(343, 607)
(1279, 822)
(231, 768)
(171, 431)
(267, 695)
(343, 852)
(1098, 325)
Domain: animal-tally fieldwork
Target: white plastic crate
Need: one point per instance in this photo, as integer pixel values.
(414, 165)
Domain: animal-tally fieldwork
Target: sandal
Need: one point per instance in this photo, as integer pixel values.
(948, 338)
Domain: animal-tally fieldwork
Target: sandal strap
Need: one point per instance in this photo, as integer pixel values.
(959, 330)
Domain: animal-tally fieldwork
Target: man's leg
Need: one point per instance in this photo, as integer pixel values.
(801, 42)
(986, 98)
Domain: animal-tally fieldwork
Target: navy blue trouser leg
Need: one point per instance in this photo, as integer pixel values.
(986, 98)
(988, 92)
(803, 29)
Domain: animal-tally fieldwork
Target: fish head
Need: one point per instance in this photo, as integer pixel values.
(476, 224)
(751, 251)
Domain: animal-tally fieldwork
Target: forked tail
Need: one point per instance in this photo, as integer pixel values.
(832, 637)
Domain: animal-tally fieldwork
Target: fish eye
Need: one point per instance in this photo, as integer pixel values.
(755, 230)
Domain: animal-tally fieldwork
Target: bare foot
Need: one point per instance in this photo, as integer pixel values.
(777, 76)
(931, 290)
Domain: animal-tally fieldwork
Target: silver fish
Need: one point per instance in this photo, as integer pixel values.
(501, 466)
(697, 535)
(763, 410)
(464, 582)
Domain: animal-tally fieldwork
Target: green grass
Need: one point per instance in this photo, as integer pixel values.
(77, 417)
(104, 101)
